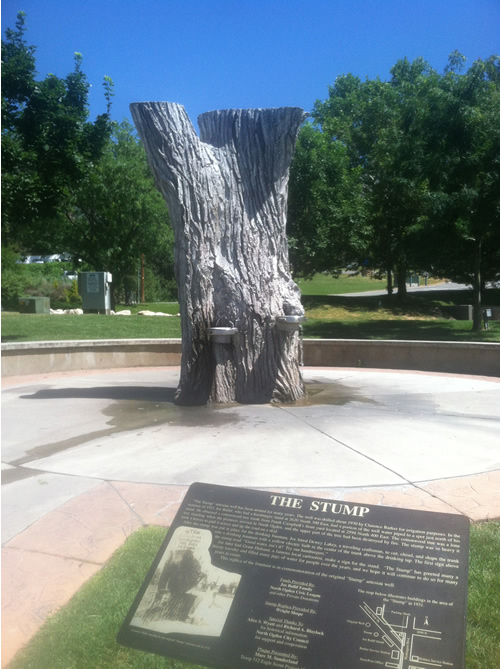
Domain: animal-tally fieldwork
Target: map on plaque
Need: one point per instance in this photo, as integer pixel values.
(248, 578)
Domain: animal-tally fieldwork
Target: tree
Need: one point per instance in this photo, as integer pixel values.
(117, 214)
(428, 150)
(464, 224)
(66, 183)
(226, 192)
(381, 124)
(326, 217)
(48, 144)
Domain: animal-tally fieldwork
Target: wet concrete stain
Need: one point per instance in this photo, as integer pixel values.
(127, 414)
(335, 393)
(18, 474)
(114, 393)
(140, 407)
(132, 415)
(46, 450)
(331, 393)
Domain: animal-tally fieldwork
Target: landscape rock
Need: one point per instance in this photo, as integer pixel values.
(146, 312)
(71, 312)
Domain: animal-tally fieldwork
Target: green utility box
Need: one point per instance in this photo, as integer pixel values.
(34, 305)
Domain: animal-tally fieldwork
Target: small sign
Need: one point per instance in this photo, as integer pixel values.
(248, 579)
(92, 282)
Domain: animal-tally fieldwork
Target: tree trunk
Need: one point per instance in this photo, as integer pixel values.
(402, 292)
(226, 193)
(390, 286)
(477, 313)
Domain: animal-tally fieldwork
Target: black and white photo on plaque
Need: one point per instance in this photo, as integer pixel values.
(187, 594)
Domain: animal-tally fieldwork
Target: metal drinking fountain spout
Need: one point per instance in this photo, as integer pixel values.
(222, 335)
(290, 323)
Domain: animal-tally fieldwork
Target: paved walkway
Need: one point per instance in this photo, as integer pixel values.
(88, 458)
(414, 288)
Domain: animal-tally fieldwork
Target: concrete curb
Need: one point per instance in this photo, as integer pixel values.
(478, 358)
(24, 358)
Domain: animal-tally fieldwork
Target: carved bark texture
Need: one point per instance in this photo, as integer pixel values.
(226, 193)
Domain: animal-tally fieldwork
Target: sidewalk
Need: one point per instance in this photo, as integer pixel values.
(88, 458)
(414, 288)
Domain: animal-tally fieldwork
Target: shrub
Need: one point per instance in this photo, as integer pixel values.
(159, 289)
(13, 286)
(13, 278)
(43, 280)
(71, 295)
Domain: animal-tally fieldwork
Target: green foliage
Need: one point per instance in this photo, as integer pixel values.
(159, 286)
(46, 280)
(117, 214)
(48, 144)
(405, 171)
(326, 217)
(62, 294)
(381, 127)
(18, 71)
(71, 298)
(13, 279)
(464, 221)
(74, 184)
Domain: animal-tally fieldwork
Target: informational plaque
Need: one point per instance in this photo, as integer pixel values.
(249, 578)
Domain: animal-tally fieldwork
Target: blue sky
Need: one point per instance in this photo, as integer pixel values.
(215, 54)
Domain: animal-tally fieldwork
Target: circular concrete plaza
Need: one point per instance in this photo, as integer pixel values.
(356, 428)
(89, 457)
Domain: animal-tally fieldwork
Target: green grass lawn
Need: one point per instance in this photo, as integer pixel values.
(483, 611)
(326, 284)
(330, 315)
(83, 634)
(420, 316)
(43, 327)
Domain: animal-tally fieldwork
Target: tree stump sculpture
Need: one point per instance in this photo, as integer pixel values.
(226, 192)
